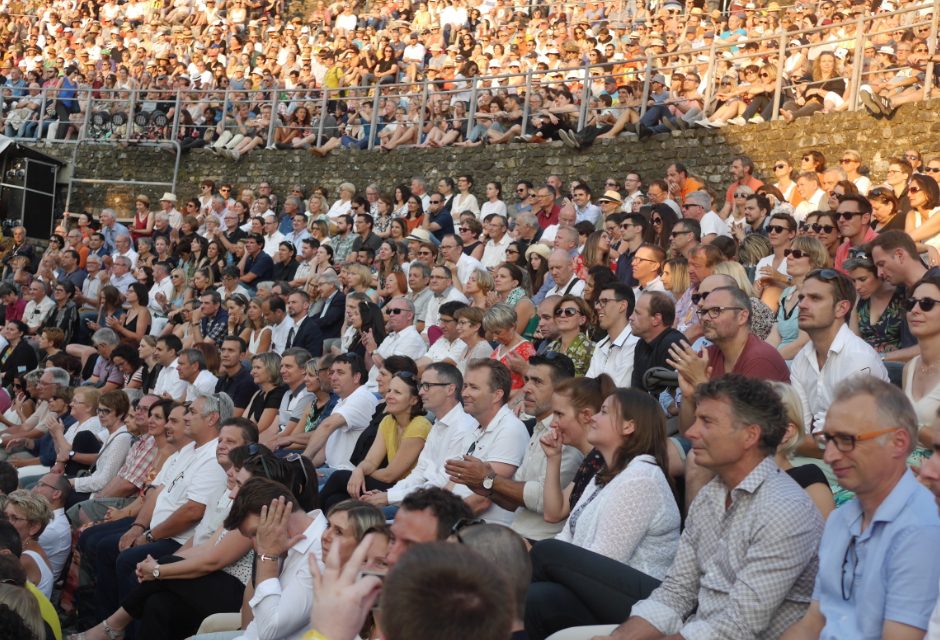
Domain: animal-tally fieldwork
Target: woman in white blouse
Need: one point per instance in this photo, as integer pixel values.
(624, 529)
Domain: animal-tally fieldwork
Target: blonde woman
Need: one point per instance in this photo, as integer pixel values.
(478, 288)
(809, 476)
(257, 333)
(263, 407)
(676, 276)
(359, 280)
(30, 513)
(22, 602)
(573, 317)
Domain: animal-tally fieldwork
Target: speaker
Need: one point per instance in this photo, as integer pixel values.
(27, 196)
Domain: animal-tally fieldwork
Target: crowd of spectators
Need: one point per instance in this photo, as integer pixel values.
(236, 75)
(642, 402)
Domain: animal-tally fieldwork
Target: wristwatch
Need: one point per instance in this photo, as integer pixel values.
(156, 572)
(488, 481)
(148, 535)
(71, 454)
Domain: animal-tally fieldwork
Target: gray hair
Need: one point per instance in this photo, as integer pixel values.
(194, 356)
(892, 405)
(300, 355)
(219, 403)
(109, 212)
(408, 304)
(500, 316)
(106, 336)
(527, 219)
(218, 200)
(329, 278)
(60, 377)
(267, 285)
(423, 267)
(123, 258)
(295, 200)
(838, 171)
(162, 215)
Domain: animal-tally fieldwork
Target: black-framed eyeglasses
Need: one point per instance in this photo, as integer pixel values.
(776, 228)
(259, 457)
(926, 304)
(426, 386)
(104, 411)
(796, 254)
(712, 313)
(462, 524)
(395, 312)
(676, 234)
(822, 228)
(931, 169)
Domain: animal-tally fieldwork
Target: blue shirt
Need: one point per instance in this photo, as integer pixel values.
(262, 266)
(897, 568)
(110, 233)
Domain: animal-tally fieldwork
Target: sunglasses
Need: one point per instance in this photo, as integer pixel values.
(780, 166)
(741, 195)
(676, 234)
(657, 220)
(926, 304)
(567, 312)
(847, 161)
(822, 228)
(914, 189)
(776, 228)
(847, 215)
(796, 254)
(931, 169)
(395, 312)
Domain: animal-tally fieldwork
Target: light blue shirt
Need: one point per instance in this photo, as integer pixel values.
(897, 570)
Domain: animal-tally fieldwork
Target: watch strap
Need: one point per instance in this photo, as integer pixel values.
(265, 558)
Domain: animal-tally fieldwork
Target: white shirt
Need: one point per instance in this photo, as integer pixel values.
(466, 265)
(110, 458)
(432, 316)
(494, 253)
(447, 439)
(712, 223)
(530, 521)
(213, 518)
(91, 424)
(357, 409)
(656, 284)
(36, 313)
(165, 287)
(279, 333)
(848, 355)
(813, 204)
(272, 243)
(281, 606)
(504, 440)
(576, 288)
(196, 476)
(768, 261)
(615, 358)
(444, 349)
(130, 255)
(407, 342)
(203, 384)
(168, 381)
(56, 541)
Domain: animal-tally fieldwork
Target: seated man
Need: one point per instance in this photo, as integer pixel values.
(874, 581)
(747, 558)
(56, 538)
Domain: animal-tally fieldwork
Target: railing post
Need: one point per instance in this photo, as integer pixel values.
(270, 138)
(42, 113)
(375, 117)
(525, 103)
(585, 96)
(323, 104)
(424, 106)
(175, 127)
(84, 128)
(472, 110)
(131, 103)
(778, 84)
(858, 63)
(646, 85)
(710, 85)
(932, 49)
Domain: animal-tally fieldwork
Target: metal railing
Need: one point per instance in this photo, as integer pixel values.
(155, 116)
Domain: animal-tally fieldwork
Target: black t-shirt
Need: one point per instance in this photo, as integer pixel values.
(239, 387)
(653, 354)
(260, 402)
(807, 475)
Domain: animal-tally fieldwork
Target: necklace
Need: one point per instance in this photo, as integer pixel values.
(926, 369)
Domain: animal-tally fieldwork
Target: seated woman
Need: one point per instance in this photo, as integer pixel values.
(878, 316)
(804, 255)
(809, 476)
(499, 323)
(573, 317)
(574, 405)
(625, 526)
(921, 377)
(470, 331)
(401, 437)
(29, 513)
(321, 406)
(208, 574)
(263, 407)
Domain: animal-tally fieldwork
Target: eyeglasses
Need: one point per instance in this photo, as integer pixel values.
(741, 195)
(463, 229)
(462, 524)
(426, 386)
(104, 411)
(858, 253)
(394, 312)
(822, 228)
(712, 313)
(515, 251)
(776, 228)
(914, 189)
(845, 442)
(780, 166)
(657, 220)
(926, 304)
(846, 215)
(847, 161)
(568, 312)
(931, 169)
(639, 259)
(698, 297)
(603, 302)
(676, 234)
(796, 254)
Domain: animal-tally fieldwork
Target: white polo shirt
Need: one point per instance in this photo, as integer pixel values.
(357, 409)
(615, 358)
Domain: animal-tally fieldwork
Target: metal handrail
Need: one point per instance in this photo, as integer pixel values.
(636, 71)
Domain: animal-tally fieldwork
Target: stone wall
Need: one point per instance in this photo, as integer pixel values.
(706, 152)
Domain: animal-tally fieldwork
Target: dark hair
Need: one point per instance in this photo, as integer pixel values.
(355, 363)
(447, 507)
(248, 428)
(12, 571)
(622, 292)
(9, 478)
(561, 365)
(891, 240)
(864, 206)
(441, 590)
(171, 341)
(10, 538)
(648, 437)
(129, 354)
(253, 495)
(840, 284)
(752, 401)
(661, 304)
(500, 378)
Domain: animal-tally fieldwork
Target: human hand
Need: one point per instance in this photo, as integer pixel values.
(551, 444)
(129, 539)
(356, 484)
(376, 498)
(273, 538)
(693, 368)
(343, 598)
(145, 569)
(468, 470)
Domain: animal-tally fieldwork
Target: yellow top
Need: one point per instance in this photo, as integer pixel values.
(419, 427)
(46, 610)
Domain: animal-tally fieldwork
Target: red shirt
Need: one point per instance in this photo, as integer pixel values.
(842, 253)
(15, 311)
(757, 360)
(751, 182)
(548, 218)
